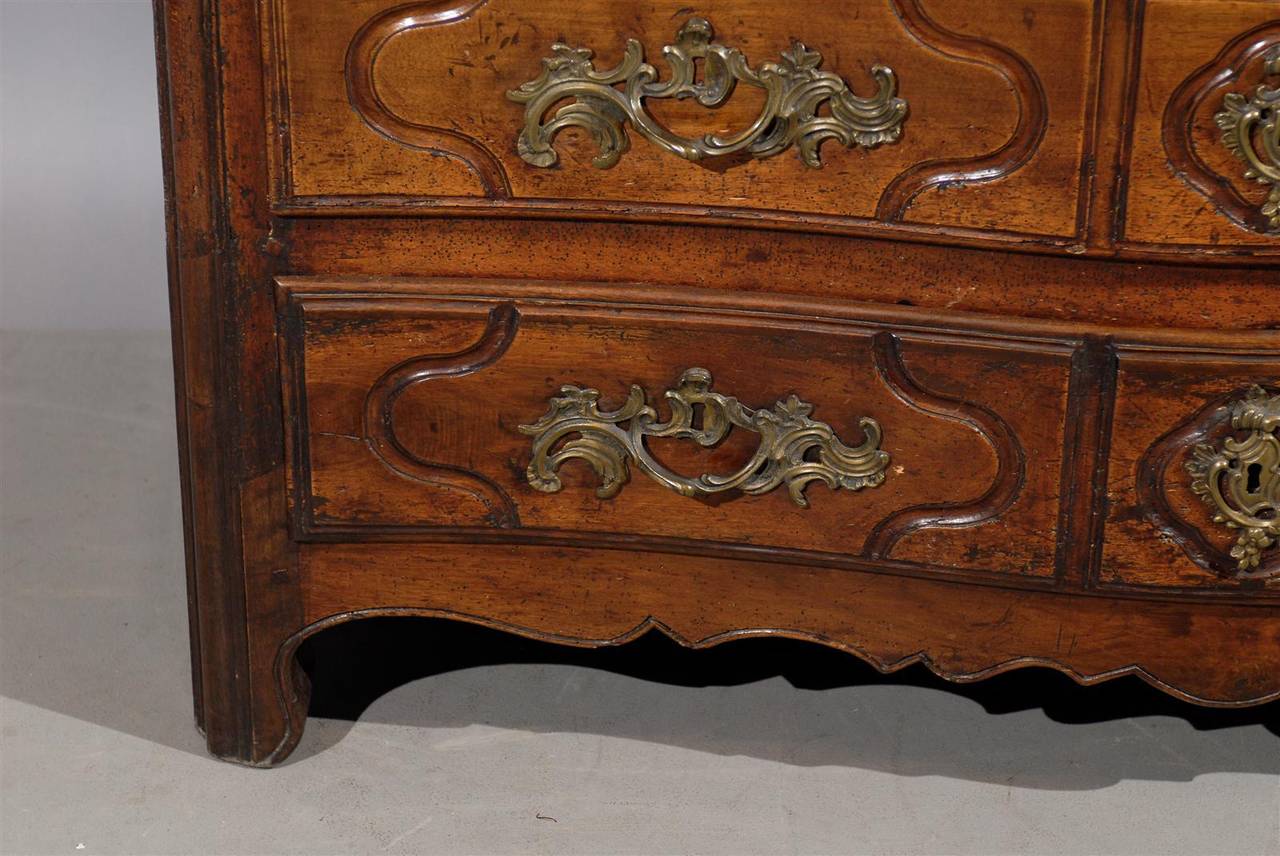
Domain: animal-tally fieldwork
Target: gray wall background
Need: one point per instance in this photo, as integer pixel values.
(82, 220)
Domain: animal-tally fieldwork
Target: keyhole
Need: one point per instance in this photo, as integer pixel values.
(695, 421)
(1253, 478)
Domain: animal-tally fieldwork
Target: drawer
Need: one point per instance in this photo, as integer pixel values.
(955, 115)
(1199, 168)
(1194, 473)
(876, 436)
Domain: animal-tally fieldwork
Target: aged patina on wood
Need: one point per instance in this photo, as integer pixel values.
(989, 293)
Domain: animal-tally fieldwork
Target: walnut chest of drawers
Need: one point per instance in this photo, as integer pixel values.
(937, 331)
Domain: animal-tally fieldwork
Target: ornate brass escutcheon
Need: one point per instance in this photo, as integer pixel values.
(796, 93)
(1251, 129)
(794, 450)
(1240, 478)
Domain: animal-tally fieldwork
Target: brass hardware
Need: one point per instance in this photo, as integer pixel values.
(1250, 469)
(794, 450)
(795, 92)
(1242, 117)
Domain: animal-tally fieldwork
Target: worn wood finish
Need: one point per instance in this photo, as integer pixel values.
(1046, 293)
(228, 384)
(1034, 151)
(448, 453)
(396, 59)
(1194, 54)
(1156, 423)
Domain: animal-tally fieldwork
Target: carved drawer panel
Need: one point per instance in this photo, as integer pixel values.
(1194, 475)
(673, 422)
(1204, 163)
(916, 112)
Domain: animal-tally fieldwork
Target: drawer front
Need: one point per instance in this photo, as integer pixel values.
(1194, 474)
(1201, 170)
(422, 414)
(955, 115)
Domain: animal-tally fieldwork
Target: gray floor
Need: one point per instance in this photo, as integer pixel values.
(537, 754)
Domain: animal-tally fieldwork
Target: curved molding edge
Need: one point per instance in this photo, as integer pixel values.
(1033, 116)
(293, 688)
(1153, 497)
(362, 90)
(379, 429)
(1178, 124)
(1010, 456)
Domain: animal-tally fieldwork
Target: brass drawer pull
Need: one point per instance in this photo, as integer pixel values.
(796, 91)
(794, 450)
(1244, 117)
(1250, 469)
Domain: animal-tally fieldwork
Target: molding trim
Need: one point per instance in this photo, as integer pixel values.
(379, 427)
(1033, 116)
(1010, 478)
(362, 91)
(1178, 126)
(1208, 423)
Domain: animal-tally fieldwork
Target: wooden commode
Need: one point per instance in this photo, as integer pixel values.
(936, 331)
